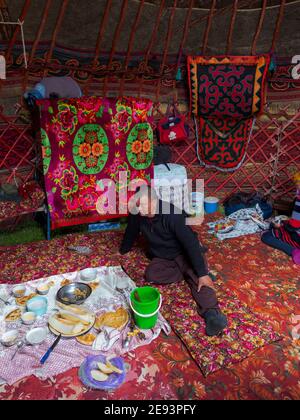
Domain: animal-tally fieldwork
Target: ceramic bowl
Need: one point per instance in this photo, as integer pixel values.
(89, 274)
(9, 316)
(28, 318)
(19, 291)
(43, 289)
(9, 338)
(74, 293)
(36, 336)
(38, 305)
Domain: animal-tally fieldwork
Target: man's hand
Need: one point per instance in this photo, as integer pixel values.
(205, 281)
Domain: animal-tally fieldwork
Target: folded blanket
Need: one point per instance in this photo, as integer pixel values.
(248, 221)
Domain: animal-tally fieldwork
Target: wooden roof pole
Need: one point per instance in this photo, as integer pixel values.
(231, 28)
(219, 12)
(185, 34)
(278, 24)
(17, 29)
(130, 44)
(151, 43)
(166, 48)
(36, 42)
(58, 24)
(208, 26)
(101, 31)
(40, 30)
(259, 27)
(115, 40)
(5, 32)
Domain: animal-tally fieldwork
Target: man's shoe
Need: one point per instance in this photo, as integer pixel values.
(215, 322)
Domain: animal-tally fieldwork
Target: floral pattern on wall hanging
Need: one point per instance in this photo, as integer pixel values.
(86, 140)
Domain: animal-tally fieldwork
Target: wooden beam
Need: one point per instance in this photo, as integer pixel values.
(278, 24)
(57, 27)
(166, 48)
(5, 30)
(115, 40)
(40, 30)
(185, 33)
(151, 42)
(208, 26)
(130, 44)
(231, 27)
(17, 29)
(101, 32)
(259, 27)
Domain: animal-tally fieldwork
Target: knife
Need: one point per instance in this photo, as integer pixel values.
(50, 350)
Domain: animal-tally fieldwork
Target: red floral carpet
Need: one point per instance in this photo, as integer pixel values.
(264, 280)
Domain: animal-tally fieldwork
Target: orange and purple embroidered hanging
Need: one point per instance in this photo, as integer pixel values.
(87, 140)
(226, 93)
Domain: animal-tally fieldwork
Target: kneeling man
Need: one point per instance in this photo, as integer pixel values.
(175, 253)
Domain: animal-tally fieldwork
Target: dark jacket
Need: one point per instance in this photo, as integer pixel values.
(168, 236)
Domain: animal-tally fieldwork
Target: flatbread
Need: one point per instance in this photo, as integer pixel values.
(94, 285)
(14, 315)
(66, 327)
(65, 282)
(22, 301)
(117, 319)
(86, 339)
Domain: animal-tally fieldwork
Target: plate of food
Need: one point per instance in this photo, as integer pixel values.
(100, 372)
(116, 319)
(71, 322)
(12, 314)
(225, 227)
(74, 293)
(22, 301)
(86, 339)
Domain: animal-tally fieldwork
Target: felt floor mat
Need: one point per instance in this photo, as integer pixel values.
(268, 283)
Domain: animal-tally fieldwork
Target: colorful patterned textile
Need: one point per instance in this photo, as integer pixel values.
(268, 283)
(223, 142)
(29, 204)
(87, 140)
(246, 333)
(225, 95)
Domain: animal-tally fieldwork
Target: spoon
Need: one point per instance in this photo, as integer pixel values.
(19, 345)
(4, 301)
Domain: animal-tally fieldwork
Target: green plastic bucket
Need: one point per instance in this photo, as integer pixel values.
(146, 311)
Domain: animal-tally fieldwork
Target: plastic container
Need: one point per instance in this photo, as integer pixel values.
(146, 310)
(38, 305)
(211, 204)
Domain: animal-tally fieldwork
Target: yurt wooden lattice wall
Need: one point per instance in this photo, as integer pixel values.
(139, 48)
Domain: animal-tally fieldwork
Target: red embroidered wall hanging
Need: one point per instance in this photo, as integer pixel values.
(226, 93)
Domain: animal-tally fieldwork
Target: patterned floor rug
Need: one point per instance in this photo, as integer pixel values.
(268, 284)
